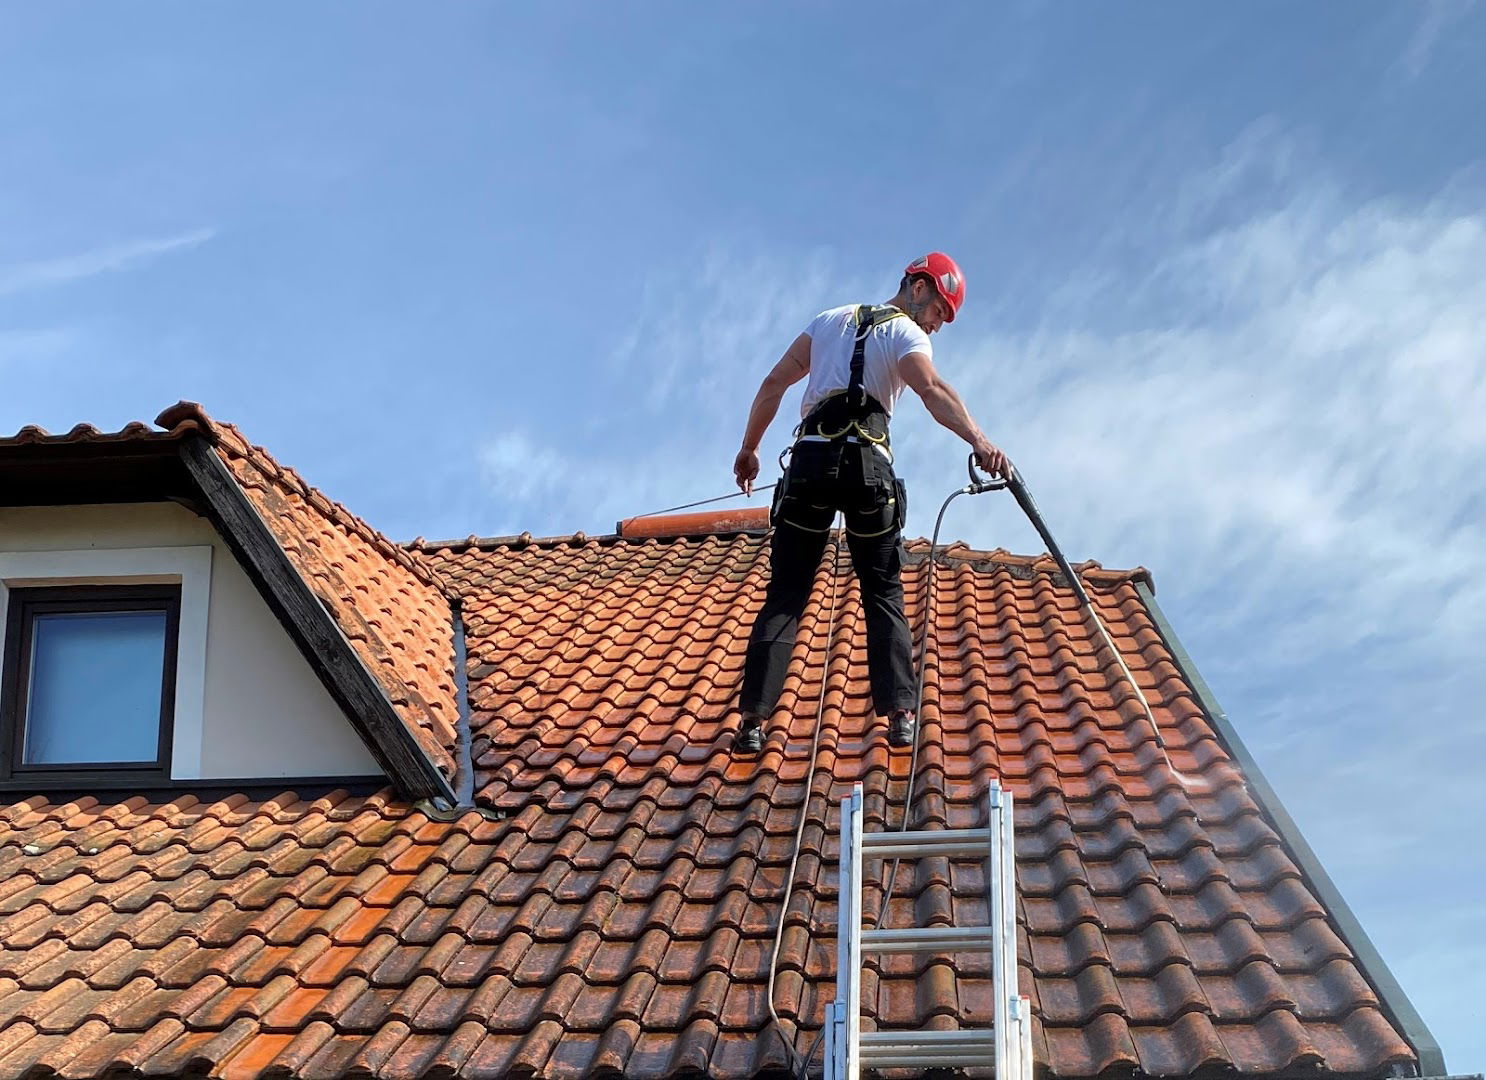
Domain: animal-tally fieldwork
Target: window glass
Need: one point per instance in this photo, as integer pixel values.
(93, 694)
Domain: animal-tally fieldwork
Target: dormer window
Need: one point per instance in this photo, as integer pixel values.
(89, 681)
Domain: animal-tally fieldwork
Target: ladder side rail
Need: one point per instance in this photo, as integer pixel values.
(853, 902)
(829, 1036)
(1014, 1039)
(846, 885)
(997, 902)
(835, 1051)
(1026, 1037)
(1010, 989)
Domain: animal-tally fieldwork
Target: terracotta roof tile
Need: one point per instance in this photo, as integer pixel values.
(619, 919)
(181, 423)
(1152, 912)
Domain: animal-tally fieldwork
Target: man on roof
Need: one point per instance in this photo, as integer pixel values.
(859, 358)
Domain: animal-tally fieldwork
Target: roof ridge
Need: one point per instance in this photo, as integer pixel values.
(1041, 563)
(179, 420)
(526, 539)
(186, 417)
(958, 551)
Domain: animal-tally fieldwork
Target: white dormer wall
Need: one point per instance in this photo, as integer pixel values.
(247, 704)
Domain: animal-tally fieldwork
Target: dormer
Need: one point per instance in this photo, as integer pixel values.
(179, 610)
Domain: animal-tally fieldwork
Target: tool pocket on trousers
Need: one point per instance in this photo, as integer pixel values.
(871, 491)
(811, 473)
(875, 503)
(780, 489)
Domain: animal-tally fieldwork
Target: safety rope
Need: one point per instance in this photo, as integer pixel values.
(798, 1065)
(704, 502)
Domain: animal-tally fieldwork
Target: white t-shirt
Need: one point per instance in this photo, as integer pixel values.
(832, 334)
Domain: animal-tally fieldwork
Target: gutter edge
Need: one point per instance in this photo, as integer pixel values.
(1396, 1004)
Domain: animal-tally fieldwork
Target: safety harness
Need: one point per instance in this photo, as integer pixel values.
(844, 416)
(853, 414)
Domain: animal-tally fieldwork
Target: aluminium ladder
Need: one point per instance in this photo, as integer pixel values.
(1006, 1046)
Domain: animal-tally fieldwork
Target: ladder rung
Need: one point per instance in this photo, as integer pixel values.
(959, 1037)
(930, 939)
(951, 843)
(918, 1059)
(904, 1049)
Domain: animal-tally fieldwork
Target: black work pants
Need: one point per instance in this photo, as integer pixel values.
(858, 481)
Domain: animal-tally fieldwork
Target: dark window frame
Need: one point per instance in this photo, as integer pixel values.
(28, 601)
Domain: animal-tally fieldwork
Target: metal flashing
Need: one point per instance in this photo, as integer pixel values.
(464, 785)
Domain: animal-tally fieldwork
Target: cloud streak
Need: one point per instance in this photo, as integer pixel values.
(682, 376)
(43, 273)
(1437, 19)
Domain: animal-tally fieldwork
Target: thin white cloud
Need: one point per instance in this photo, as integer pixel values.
(518, 469)
(1312, 401)
(705, 330)
(683, 375)
(68, 268)
(552, 488)
(1438, 16)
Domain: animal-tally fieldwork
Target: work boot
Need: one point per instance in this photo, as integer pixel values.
(901, 727)
(750, 737)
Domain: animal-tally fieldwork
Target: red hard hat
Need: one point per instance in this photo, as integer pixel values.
(947, 278)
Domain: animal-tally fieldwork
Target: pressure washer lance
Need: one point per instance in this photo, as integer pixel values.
(1013, 482)
(1023, 498)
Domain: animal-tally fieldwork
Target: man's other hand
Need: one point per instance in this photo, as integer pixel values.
(745, 470)
(991, 459)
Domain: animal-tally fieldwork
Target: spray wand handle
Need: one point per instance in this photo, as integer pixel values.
(978, 481)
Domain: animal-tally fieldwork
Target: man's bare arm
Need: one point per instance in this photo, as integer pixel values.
(945, 406)
(793, 366)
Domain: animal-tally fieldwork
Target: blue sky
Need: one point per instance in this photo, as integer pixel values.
(489, 268)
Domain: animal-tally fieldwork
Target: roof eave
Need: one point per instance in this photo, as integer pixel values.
(62, 474)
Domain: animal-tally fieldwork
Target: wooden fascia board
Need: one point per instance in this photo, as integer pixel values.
(319, 638)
